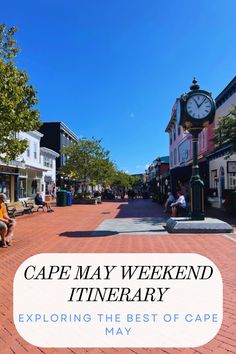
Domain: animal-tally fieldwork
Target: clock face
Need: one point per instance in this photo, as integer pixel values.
(199, 106)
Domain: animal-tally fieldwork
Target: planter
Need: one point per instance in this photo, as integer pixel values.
(85, 201)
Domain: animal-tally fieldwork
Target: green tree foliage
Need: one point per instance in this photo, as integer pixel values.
(123, 180)
(88, 162)
(226, 129)
(17, 99)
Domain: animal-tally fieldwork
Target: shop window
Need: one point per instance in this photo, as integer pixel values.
(22, 188)
(232, 180)
(5, 185)
(214, 179)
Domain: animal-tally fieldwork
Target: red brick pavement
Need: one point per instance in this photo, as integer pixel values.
(51, 232)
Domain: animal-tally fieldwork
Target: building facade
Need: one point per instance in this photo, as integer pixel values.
(33, 171)
(217, 165)
(39, 170)
(222, 161)
(180, 150)
(157, 175)
(56, 136)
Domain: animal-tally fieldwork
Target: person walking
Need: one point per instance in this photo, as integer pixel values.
(7, 224)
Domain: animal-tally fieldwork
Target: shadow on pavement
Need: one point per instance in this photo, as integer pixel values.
(139, 208)
(104, 233)
(88, 233)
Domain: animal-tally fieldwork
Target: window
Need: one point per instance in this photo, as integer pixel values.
(171, 138)
(5, 185)
(175, 157)
(214, 179)
(179, 129)
(22, 188)
(174, 132)
(28, 149)
(171, 159)
(232, 180)
(35, 150)
(47, 162)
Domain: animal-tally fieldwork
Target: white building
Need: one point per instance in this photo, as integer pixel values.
(33, 171)
(39, 172)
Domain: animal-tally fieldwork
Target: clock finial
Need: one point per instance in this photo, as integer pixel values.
(194, 85)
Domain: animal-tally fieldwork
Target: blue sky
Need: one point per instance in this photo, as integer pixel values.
(113, 68)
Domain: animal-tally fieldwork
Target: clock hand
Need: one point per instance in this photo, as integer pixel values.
(202, 102)
(196, 103)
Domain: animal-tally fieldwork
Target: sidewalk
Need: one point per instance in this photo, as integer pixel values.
(70, 229)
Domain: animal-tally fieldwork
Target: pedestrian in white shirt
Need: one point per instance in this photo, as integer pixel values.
(179, 204)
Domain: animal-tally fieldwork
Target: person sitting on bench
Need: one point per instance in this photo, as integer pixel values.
(179, 205)
(7, 224)
(39, 201)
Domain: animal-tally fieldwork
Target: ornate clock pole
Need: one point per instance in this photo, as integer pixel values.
(197, 111)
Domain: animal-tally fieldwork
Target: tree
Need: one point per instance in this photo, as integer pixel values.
(17, 99)
(226, 129)
(88, 161)
(123, 180)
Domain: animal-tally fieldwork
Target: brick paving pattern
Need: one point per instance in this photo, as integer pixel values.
(69, 230)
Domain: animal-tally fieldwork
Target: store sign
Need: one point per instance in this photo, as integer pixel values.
(6, 169)
(184, 151)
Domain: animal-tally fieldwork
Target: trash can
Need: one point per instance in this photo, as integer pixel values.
(62, 198)
(69, 198)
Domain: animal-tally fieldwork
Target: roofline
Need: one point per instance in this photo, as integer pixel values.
(172, 120)
(35, 133)
(231, 84)
(66, 128)
(49, 151)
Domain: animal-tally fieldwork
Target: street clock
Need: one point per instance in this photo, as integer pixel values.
(195, 109)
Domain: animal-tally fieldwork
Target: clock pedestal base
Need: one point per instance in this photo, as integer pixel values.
(185, 225)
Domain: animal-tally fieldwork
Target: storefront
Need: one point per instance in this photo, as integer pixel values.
(180, 178)
(222, 169)
(8, 182)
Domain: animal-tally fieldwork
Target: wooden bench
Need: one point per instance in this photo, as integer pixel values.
(34, 207)
(17, 208)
